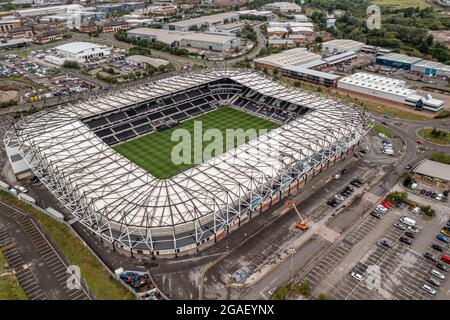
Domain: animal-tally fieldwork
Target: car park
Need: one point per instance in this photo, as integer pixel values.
(442, 238)
(405, 240)
(429, 289)
(400, 226)
(375, 214)
(434, 281)
(437, 247)
(437, 274)
(430, 256)
(356, 275)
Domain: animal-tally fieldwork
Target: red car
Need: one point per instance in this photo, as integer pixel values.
(386, 204)
(423, 191)
(419, 142)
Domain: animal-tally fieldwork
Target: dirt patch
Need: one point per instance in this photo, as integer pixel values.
(11, 89)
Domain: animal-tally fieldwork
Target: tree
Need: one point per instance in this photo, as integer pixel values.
(71, 64)
(193, 28)
(407, 180)
(397, 196)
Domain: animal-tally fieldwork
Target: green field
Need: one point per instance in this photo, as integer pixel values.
(399, 4)
(152, 152)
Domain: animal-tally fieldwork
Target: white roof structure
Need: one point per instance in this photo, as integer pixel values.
(74, 48)
(155, 62)
(276, 29)
(121, 202)
(289, 57)
(341, 45)
(433, 169)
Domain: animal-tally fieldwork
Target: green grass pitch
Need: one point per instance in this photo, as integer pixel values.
(152, 152)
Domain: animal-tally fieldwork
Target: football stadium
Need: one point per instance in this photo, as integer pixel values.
(107, 158)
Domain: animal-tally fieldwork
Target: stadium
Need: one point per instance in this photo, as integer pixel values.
(107, 159)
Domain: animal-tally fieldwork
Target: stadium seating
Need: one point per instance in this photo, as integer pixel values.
(166, 111)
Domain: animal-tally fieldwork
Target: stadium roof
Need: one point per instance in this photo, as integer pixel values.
(109, 191)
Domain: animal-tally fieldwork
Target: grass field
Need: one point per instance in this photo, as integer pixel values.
(442, 139)
(10, 288)
(399, 4)
(380, 129)
(152, 152)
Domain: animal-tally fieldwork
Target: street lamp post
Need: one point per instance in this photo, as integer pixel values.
(292, 250)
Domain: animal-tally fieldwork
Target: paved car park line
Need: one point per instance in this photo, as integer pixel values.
(47, 253)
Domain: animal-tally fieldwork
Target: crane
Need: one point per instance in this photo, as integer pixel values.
(301, 225)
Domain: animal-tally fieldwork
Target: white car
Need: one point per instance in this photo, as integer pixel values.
(339, 197)
(439, 197)
(337, 176)
(21, 189)
(356, 275)
(429, 289)
(437, 274)
(413, 229)
(381, 208)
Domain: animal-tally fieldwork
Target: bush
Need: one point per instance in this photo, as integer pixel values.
(303, 288)
(427, 210)
(397, 196)
(8, 103)
(281, 292)
(323, 296)
(71, 64)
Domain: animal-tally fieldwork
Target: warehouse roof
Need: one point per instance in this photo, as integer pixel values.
(205, 19)
(294, 56)
(398, 57)
(344, 44)
(77, 47)
(433, 169)
(155, 62)
(207, 37)
(432, 64)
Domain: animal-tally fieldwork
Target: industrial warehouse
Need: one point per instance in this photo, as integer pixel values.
(200, 40)
(72, 155)
(414, 64)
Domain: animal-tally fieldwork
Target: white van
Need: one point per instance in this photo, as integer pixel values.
(408, 221)
(414, 186)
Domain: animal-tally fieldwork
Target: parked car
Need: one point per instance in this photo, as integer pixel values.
(344, 171)
(442, 238)
(413, 229)
(405, 240)
(356, 275)
(437, 247)
(332, 203)
(428, 193)
(430, 256)
(429, 289)
(339, 197)
(375, 214)
(437, 274)
(408, 166)
(441, 266)
(410, 234)
(386, 243)
(434, 281)
(434, 195)
(445, 232)
(337, 176)
(400, 226)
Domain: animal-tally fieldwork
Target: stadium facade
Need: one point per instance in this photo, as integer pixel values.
(69, 150)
